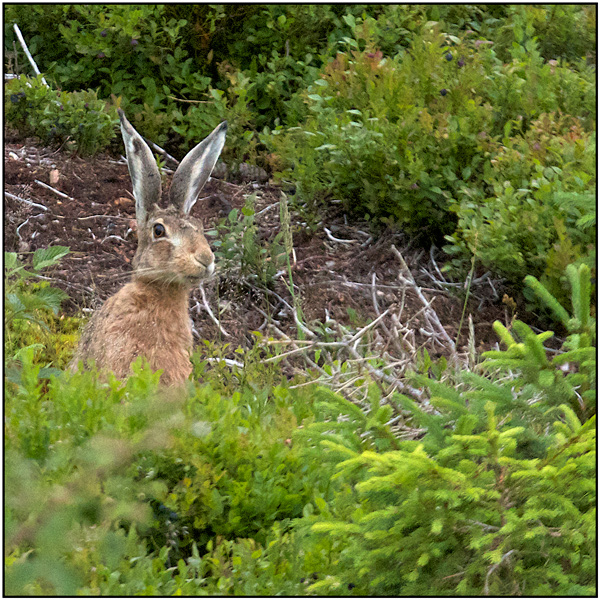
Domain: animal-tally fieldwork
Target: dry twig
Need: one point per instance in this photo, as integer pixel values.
(25, 201)
(210, 312)
(55, 191)
(431, 315)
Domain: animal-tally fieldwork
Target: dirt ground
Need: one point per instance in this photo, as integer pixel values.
(90, 209)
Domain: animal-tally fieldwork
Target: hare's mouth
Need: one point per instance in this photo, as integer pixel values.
(193, 279)
(197, 278)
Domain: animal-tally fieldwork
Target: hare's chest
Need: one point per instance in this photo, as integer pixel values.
(162, 334)
(159, 332)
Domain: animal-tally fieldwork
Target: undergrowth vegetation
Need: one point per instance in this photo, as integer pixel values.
(249, 482)
(469, 126)
(321, 467)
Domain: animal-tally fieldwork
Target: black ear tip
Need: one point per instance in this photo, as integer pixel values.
(124, 122)
(223, 126)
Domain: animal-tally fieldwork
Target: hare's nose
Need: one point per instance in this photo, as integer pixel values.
(206, 260)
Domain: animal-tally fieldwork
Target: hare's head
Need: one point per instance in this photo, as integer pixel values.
(172, 248)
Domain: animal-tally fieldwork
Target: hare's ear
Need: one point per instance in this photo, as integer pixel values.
(195, 169)
(142, 170)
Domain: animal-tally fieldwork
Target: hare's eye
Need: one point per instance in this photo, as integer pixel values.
(159, 230)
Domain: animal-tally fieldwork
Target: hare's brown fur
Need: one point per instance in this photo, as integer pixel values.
(142, 319)
(149, 316)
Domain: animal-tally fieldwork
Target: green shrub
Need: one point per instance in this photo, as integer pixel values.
(562, 31)
(390, 138)
(445, 139)
(488, 486)
(497, 496)
(240, 251)
(79, 118)
(527, 85)
(172, 66)
(99, 459)
(32, 313)
(536, 213)
(237, 475)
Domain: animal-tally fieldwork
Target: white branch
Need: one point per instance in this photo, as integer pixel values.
(27, 53)
(25, 201)
(49, 187)
(210, 312)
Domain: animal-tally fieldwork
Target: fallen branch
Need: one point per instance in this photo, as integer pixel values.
(264, 210)
(339, 241)
(113, 237)
(391, 338)
(362, 331)
(228, 361)
(25, 201)
(55, 191)
(210, 312)
(25, 223)
(74, 286)
(431, 314)
(192, 101)
(299, 323)
(100, 217)
(161, 151)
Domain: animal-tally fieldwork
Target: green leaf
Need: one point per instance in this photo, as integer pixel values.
(14, 304)
(10, 260)
(350, 21)
(46, 257)
(51, 298)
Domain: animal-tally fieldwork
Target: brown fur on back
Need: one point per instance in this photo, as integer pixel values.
(141, 319)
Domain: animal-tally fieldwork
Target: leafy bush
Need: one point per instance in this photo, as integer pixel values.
(31, 312)
(562, 31)
(417, 115)
(172, 66)
(237, 488)
(444, 139)
(240, 251)
(138, 481)
(537, 215)
(384, 135)
(79, 118)
(21, 302)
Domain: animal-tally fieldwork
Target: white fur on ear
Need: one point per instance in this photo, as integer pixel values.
(143, 171)
(195, 169)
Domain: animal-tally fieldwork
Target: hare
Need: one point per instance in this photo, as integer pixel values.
(149, 316)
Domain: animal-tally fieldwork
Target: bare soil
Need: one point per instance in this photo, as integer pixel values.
(334, 271)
